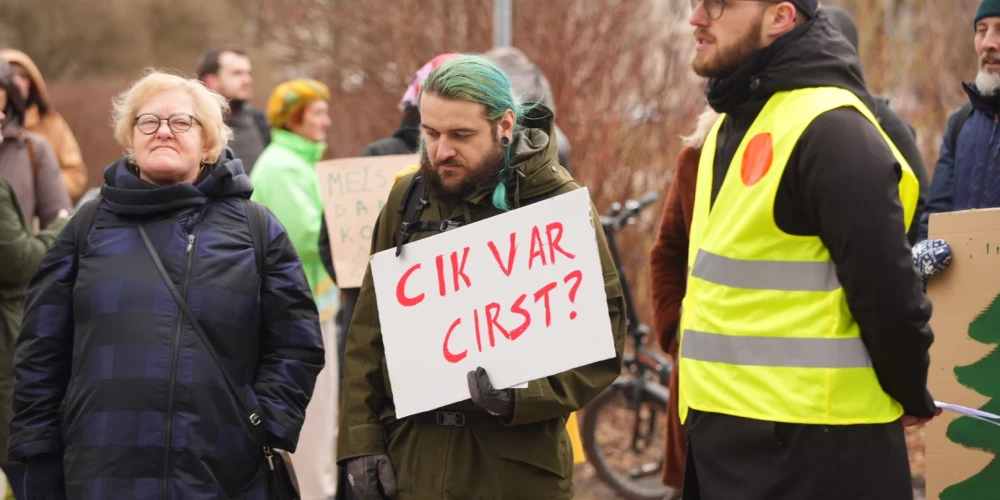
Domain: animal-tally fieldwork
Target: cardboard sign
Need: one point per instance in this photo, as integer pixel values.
(965, 361)
(354, 191)
(520, 294)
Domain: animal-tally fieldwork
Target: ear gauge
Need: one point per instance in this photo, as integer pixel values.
(505, 141)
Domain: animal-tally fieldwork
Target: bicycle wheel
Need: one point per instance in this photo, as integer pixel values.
(626, 445)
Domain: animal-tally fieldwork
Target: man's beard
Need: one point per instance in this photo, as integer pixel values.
(480, 178)
(727, 59)
(988, 82)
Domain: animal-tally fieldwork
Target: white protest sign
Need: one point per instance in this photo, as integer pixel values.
(354, 191)
(520, 294)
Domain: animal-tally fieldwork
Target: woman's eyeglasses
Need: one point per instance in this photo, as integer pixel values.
(178, 123)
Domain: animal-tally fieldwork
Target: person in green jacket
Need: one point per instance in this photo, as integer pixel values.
(284, 180)
(284, 177)
(20, 253)
(481, 156)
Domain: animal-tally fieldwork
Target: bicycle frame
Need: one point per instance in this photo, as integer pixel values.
(644, 359)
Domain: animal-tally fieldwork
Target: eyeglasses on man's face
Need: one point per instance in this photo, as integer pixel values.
(178, 123)
(715, 8)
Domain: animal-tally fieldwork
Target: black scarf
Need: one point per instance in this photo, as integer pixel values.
(729, 92)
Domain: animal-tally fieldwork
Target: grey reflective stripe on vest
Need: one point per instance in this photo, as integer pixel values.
(775, 351)
(766, 274)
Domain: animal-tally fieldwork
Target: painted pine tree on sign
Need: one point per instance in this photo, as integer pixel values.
(983, 376)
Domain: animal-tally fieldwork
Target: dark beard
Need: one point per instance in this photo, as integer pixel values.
(481, 178)
(729, 59)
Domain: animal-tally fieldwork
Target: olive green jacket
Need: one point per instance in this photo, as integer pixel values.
(525, 458)
(20, 253)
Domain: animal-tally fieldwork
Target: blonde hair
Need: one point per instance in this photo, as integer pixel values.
(209, 109)
(706, 120)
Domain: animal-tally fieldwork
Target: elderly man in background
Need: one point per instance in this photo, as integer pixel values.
(966, 176)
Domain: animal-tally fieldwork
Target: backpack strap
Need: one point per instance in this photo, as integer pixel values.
(257, 218)
(412, 205)
(963, 116)
(416, 188)
(86, 213)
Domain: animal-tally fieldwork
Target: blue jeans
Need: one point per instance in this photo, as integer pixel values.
(15, 476)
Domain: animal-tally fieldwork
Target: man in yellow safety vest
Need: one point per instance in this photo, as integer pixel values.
(804, 327)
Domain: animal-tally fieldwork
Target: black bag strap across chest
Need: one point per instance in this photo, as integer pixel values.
(413, 204)
(963, 116)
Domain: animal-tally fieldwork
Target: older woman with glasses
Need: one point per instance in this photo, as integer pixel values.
(170, 339)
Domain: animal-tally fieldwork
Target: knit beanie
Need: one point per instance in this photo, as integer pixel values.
(293, 96)
(841, 20)
(811, 6)
(987, 8)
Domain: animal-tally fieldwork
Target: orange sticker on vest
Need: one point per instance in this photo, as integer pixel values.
(757, 158)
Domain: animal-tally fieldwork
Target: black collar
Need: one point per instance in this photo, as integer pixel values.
(988, 104)
(748, 81)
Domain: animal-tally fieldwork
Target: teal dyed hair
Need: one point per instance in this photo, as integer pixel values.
(477, 79)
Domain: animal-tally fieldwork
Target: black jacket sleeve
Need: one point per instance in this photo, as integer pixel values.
(847, 187)
(43, 357)
(292, 353)
(325, 253)
(265, 128)
(903, 137)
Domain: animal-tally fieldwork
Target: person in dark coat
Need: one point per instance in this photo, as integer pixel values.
(116, 394)
(27, 160)
(509, 444)
(966, 176)
(21, 249)
(902, 133)
(228, 71)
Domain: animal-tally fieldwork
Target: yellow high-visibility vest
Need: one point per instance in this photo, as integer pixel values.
(766, 332)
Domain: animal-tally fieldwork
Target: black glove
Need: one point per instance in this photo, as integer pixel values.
(485, 396)
(371, 477)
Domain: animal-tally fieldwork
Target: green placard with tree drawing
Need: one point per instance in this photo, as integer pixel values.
(983, 376)
(961, 451)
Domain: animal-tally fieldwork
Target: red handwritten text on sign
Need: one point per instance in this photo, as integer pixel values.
(487, 319)
(520, 294)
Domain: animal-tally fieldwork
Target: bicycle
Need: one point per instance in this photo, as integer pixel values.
(643, 393)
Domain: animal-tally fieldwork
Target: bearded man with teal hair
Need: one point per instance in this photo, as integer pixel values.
(483, 152)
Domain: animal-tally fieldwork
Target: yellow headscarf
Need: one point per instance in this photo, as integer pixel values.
(292, 96)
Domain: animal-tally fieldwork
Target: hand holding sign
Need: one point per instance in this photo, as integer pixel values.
(484, 395)
(526, 305)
